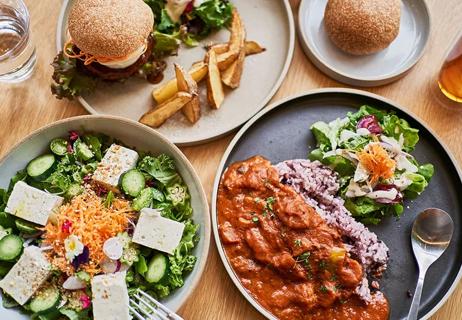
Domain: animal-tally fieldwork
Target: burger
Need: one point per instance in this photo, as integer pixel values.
(110, 40)
(113, 40)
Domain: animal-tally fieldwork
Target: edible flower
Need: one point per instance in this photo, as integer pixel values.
(85, 301)
(69, 148)
(66, 226)
(82, 258)
(377, 162)
(73, 135)
(370, 123)
(73, 247)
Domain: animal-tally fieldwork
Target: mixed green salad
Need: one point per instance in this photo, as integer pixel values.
(370, 150)
(176, 22)
(89, 226)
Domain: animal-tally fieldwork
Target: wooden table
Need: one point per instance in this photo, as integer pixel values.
(30, 105)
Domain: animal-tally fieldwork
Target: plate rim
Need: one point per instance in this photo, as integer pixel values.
(343, 77)
(274, 105)
(185, 142)
(201, 192)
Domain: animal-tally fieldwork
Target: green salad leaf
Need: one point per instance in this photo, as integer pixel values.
(165, 43)
(215, 13)
(68, 81)
(156, 7)
(165, 25)
(395, 127)
(161, 168)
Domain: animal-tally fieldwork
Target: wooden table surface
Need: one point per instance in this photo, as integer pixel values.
(30, 105)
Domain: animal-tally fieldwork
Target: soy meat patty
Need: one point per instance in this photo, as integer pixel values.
(362, 27)
(284, 253)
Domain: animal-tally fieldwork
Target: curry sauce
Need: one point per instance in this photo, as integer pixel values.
(285, 255)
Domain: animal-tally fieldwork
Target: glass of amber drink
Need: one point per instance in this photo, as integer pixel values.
(450, 76)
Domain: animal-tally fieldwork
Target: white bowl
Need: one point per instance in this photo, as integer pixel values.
(134, 135)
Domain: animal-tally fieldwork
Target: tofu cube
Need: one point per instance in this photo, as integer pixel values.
(110, 297)
(115, 162)
(156, 232)
(32, 204)
(27, 275)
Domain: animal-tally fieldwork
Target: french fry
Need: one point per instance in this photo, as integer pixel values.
(157, 116)
(186, 83)
(237, 38)
(251, 47)
(225, 60)
(215, 94)
(167, 90)
(232, 76)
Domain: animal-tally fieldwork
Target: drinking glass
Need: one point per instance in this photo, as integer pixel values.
(450, 76)
(17, 52)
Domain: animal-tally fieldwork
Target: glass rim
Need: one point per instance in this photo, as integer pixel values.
(26, 17)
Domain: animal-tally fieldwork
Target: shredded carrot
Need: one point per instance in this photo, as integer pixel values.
(87, 58)
(92, 222)
(377, 162)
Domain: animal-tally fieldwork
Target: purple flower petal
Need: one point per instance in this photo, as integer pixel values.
(82, 258)
(73, 135)
(371, 123)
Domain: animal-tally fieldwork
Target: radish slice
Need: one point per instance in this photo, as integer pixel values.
(113, 248)
(74, 283)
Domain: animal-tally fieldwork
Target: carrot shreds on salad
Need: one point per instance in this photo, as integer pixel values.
(377, 162)
(92, 222)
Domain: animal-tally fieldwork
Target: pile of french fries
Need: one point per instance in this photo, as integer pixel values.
(223, 64)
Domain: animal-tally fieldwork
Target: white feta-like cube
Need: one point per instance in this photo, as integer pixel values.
(115, 162)
(27, 275)
(156, 232)
(32, 204)
(110, 297)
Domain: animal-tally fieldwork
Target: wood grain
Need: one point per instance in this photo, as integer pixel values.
(30, 105)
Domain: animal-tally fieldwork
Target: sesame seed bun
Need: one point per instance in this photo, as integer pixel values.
(113, 28)
(362, 27)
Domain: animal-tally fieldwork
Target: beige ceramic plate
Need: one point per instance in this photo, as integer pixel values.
(134, 135)
(269, 22)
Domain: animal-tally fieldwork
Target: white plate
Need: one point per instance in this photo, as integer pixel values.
(371, 70)
(269, 22)
(134, 135)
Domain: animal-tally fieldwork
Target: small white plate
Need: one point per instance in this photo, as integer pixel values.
(372, 70)
(268, 22)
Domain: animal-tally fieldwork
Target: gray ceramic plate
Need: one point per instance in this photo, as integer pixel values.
(267, 134)
(134, 135)
(371, 70)
(269, 22)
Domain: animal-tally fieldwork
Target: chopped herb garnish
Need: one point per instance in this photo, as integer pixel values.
(304, 259)
(269, 203)
(322, 264)
(257, 200)
(323, 289)
(255, 219)
(298, 242)
(334, 277)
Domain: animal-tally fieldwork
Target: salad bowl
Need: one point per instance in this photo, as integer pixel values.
(137, 137)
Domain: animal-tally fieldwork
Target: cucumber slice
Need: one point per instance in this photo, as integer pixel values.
(58, 146)
(5, 267)
(82, 150)
(143, 200)
(26, 226)
(133, 182)
(45, 300)
(10, 247)
(4, 232)
(157, 268)
(41, 167)
(6, 220)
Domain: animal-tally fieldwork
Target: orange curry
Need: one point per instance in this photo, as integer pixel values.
(285, 255)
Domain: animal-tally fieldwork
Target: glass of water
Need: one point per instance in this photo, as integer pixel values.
(17, 52)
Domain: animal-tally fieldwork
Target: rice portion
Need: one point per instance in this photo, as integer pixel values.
(319, 185)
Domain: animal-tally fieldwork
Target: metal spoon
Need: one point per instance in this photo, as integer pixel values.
(431, 235)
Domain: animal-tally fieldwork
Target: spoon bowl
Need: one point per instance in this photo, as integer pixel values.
(431, 234)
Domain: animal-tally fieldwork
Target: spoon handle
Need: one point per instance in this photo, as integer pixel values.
(413, 312)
